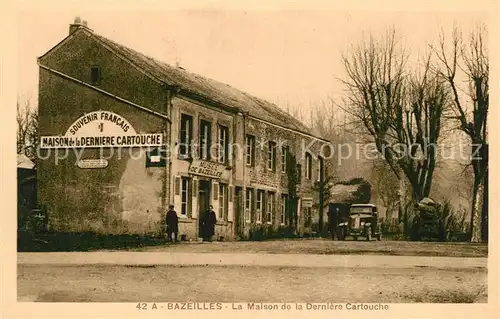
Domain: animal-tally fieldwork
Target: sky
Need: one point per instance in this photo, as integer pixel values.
(288, 56)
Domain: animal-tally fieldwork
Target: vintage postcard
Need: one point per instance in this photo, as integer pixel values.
(278, 159)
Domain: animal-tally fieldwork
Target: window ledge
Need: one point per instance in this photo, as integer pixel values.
(258, 222)
(186, 220)
(222, 223)
(269, 223)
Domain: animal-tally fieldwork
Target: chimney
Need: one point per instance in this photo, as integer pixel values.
(78, 23)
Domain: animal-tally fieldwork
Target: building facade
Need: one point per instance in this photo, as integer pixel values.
(123, 136)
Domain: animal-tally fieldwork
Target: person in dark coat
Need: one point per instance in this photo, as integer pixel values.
(210, 219)
(172, 224)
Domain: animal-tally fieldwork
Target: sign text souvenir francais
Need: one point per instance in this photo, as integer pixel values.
(101, 129)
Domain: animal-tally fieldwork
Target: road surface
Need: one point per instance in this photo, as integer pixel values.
(248, 277)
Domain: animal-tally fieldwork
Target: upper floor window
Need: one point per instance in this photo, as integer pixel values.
(308, 166)
(250, 150)
(186, 133)
(299, 173)
(223, 144)
(284, 151)
(95, 75)
(321, 169)
(205, 139)
(271, 156)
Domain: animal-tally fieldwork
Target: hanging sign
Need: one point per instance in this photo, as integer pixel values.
(101, 129)
(307, 202)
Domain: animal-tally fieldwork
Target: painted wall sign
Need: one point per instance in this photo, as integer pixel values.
(101, 129)
(264, 178)
(205, 168)
(92, 163)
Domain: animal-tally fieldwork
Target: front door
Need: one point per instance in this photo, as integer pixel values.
(203, 201)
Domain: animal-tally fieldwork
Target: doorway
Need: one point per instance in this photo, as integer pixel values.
(203, 201)
(238, 209)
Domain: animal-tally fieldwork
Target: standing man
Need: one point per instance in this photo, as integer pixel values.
(209, 224)
(172, 224)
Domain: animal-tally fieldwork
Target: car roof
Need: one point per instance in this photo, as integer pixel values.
(363, 205)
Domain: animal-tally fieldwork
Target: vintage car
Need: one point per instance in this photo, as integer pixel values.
(362, 221)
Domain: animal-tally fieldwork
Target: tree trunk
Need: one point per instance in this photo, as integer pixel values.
(475, 221)
(484, 211)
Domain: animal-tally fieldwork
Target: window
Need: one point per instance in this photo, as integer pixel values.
(95, 75)
(222, 201)
(284, 151)
(270, 207)
(250, 148)
(320, 169)
(299, 173)
(248, 204)
(284, 206)
(308, 166)
(185, 136)
(259, 205)
(184, 196)
(271, 156)
(205, 139)
(307, 217)
(223, 144)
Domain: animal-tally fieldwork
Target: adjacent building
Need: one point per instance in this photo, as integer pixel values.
(123, 136)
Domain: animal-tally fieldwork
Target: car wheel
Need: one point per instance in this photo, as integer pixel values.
(341, 233)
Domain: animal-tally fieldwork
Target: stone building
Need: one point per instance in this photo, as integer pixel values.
(124, 135)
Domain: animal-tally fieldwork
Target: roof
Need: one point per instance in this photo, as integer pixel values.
(24, 162)
(206, 88)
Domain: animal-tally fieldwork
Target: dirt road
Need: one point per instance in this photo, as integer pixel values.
(248, 277)
(248, 259)
(330, 247)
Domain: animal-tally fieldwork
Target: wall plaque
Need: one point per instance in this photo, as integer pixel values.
(92, 163)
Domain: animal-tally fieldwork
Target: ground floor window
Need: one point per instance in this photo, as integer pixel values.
(284, 206)
(259, 207)
(270, 207)
(248, 204)
(185, 196)
(222, 202)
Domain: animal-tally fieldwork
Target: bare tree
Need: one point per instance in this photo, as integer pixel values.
(27, 128)
(400, 109)
(471, 59)
(385, 186)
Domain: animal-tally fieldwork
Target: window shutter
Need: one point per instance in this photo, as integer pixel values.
(216, 190)
(177, 185)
